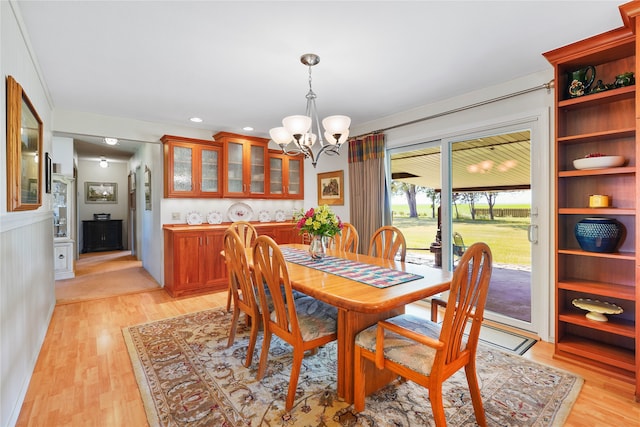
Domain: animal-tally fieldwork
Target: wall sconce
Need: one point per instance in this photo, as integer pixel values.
(103, 162)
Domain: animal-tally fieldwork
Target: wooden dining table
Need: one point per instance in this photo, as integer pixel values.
(361, 305)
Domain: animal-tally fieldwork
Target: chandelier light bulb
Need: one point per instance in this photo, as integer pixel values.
(297, 124)
(280, 136)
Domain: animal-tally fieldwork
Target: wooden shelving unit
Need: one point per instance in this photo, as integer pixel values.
(605, 122)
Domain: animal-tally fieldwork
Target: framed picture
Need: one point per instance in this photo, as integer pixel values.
(132, 181)
(100, 192)
(331, 188)
(47, 173)
(147, 188)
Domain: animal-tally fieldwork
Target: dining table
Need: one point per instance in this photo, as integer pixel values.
(364, 289)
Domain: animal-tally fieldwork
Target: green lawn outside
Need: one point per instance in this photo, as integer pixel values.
(507, 237)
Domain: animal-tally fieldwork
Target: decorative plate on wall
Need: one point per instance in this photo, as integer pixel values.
(240, 212)
(264, 216)
(280, 216)
(214, 217)
(194, 218)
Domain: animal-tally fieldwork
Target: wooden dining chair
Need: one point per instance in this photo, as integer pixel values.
(348, 239)
(388, 242)
(247, 233)
(242, 289)
(305, 323)
(428, 353)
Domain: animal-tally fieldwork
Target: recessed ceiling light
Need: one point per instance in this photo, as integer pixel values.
(196, 119)
(111, 141)
(247, 128)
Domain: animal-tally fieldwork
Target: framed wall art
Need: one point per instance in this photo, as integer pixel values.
(331, 188)
(147, 188)
(100, 192)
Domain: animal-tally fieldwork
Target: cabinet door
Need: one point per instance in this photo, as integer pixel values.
(188, 261)
(276, 176)
(257, 171)
(295, 173)
(180, 170)
(210, 172)
(215, 271)
(235, 184)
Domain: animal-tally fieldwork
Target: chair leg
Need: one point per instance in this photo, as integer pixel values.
(229, 299)
(296, 365)
(476, 397)
(358, 381)
(253, 337)
(234, 325)
(264, 354)
(435, 397)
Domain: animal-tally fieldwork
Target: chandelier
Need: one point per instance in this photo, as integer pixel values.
(297, 135)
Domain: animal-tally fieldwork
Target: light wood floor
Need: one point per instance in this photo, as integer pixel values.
(83, 376)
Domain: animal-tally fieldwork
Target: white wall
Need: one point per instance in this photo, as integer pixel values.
(27, 295)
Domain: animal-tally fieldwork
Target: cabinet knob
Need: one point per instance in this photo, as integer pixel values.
(61, 256)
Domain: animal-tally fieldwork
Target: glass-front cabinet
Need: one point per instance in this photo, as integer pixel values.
(192, 167)
(245, 161)
(285, 176)
(62, 191)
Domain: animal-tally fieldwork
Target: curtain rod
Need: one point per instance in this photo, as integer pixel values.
(547, 86)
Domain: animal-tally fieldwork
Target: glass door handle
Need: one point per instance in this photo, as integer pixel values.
(532, 233)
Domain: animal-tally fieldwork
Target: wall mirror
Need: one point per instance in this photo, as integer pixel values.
(24, 151)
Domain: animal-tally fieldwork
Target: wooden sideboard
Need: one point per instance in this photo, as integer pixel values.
(192, 260)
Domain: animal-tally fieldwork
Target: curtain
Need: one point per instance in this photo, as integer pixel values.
(370, 204)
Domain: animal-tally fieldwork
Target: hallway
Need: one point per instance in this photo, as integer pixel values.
(102, 275)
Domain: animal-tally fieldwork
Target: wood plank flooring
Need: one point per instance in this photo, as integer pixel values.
(84, 377)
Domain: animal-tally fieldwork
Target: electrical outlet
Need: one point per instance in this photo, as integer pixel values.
(175, 216)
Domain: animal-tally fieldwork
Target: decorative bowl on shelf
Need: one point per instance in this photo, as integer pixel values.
(596, 309)
(598, 234)
(600, 162)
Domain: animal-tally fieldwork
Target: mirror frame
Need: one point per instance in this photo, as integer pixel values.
(15, 99)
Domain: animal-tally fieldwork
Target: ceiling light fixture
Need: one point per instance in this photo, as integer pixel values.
(103, 162)
(111, 141)
(196, 119)
(299, 130)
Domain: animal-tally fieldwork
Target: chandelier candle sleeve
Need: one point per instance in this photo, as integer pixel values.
(297, 135)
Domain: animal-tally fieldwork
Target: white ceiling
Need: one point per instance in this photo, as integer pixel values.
(236, 63)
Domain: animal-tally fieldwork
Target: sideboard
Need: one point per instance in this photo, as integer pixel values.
(192, 254)
(102, 235)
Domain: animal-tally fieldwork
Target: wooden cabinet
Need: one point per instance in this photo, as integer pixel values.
(603, 122)
(245, 167)
(286, 176)
(192, 255)
(102, 235)
(192, 167)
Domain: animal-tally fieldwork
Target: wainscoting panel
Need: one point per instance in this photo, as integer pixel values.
(27, 299)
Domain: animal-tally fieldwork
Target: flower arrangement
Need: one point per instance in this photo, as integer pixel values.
(318, 222)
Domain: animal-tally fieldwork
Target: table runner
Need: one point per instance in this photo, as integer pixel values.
(369, 274)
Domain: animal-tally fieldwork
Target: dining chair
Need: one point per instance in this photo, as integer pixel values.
(305, 323)
(247, 233)
(428, 353)
(242, 288)
(387, 242)
(348, 239)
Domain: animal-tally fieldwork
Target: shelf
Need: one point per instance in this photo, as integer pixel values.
(598, 136)
(611, 290)
(596, 99)
(615, 255)
(601, 353)
(595, 211)
(591, 172)
(615, 325)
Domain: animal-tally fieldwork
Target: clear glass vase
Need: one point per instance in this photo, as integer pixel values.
(318, 247)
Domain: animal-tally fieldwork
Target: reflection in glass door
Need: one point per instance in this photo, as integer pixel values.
(491, 202)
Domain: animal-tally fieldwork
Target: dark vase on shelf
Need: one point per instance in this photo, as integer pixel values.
(599, 234)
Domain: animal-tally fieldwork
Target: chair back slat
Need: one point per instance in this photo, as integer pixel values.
(348, 239)
(246, 231)
(388, 242)
(239, 273)
(467, 297)
(271, 269)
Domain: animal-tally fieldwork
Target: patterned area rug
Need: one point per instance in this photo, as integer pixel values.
(187, 376)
